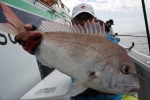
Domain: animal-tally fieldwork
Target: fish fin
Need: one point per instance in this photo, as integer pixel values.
(89, 27)
(85, 28)
(14, 24)
(49, 26)
(98, 28)
(92, 27)
(76, 91)
(79, 83)
(7, 27)
(80, 29)
(104, 34)
(76, 29)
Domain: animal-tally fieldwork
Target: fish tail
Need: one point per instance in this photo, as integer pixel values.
(13, 25)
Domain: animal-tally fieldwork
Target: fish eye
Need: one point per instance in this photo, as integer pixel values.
(125, 69)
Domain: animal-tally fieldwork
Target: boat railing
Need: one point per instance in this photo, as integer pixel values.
(142, 64)
(52, 5)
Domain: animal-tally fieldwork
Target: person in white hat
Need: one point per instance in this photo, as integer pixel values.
(81, 13)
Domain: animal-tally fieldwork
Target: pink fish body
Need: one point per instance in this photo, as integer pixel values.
(77, 52)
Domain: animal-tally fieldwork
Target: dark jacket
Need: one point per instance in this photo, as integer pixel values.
(107, 29)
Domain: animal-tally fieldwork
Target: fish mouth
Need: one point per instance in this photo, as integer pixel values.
(134, 89)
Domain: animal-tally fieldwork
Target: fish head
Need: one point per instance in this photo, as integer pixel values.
(118, 74)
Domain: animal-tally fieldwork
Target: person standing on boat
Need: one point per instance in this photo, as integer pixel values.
(81, 14)
(110, 33)
(109, 23)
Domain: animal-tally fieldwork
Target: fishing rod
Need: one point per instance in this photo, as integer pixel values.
(116, 34)
(146, 23)
(131, 36)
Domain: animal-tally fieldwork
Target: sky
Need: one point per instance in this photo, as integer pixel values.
(127, 14)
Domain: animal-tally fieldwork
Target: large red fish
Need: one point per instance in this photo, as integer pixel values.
(82, 53)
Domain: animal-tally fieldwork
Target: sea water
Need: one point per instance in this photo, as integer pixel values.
(140, 42)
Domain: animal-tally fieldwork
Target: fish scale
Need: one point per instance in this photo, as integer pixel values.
(67, 65)
(90, 40)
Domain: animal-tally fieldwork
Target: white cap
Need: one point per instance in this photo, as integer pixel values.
(82, 8)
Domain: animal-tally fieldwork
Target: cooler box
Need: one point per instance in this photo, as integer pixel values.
(52, 87)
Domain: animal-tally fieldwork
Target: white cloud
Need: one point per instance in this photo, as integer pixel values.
(110, 5)
(127, 14)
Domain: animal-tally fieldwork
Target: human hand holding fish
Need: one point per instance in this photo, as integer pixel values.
(30, 30)
(29, 39)
(80, 52)
(19, 37)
